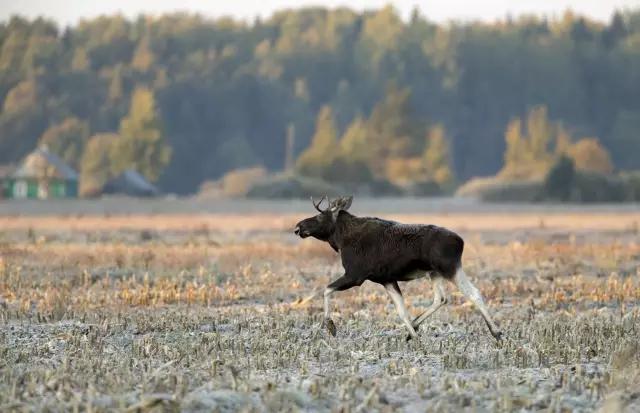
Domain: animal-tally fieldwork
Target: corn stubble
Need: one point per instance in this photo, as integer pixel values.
(222, 320)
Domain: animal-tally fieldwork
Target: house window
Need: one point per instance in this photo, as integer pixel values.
(20, 189)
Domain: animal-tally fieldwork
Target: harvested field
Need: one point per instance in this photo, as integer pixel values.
(215, 311)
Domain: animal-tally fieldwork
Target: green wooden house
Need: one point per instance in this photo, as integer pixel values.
(42, 175)
(5, 174)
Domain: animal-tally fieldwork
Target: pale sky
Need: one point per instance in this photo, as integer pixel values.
(70, 11)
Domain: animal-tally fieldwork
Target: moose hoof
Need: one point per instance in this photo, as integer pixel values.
(415, 327)
(328, 323)
(411, 337)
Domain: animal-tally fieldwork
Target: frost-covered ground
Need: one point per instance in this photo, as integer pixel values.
(216, 312)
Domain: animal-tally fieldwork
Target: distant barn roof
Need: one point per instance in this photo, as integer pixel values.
(130, 182)
(43, 164)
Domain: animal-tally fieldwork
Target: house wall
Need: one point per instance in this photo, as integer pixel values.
(21, 188)
(32, 189)
(63, 189)
(57, 189)
(72, 189)
(36, 189)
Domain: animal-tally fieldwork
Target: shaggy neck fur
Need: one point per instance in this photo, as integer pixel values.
(344, 223)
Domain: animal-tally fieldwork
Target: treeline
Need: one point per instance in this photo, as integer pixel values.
(205, 96)
(386, 152)
(543, 162)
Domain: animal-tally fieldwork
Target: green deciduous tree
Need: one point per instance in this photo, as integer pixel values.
(22, 97)
(96, 164)
(626, 135)
(351, 164)
(115, 84)
(318, 157)
(436, 157)
(141, 145)
(588, 155)
(516, 145)
(539, 132)
(529, 156)
(354, 144)
(80, 61)
(393, 130)
(381, 32)
(560, 179)
(563, 141)
(67, 139)
(143, 58)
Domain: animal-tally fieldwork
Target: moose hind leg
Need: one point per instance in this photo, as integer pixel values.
(473, 294)
(439, 299)
(393, 289)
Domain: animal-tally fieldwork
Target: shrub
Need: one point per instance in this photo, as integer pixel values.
(236, 183)
(632, 185)
(499, 189)
(592, 187)
(293, 186)
(346, 171)
(514, 191)
(403, 171)
(425, 188)
(383, 188)
(239, 182)
(560, 179)
(589, 155)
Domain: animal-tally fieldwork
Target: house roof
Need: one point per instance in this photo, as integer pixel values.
(6, 171)
(43, 164)
(130, 182)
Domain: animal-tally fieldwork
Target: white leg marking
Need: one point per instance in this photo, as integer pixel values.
(327, 293)
(394, 292)
(439, 299)
(471, 292)
(328, 322)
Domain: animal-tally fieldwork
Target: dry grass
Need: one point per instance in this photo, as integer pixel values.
(280, 222)
(204, 313)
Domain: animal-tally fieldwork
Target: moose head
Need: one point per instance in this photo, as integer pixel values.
(321, 226)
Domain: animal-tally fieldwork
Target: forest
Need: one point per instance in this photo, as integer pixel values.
(360, 96)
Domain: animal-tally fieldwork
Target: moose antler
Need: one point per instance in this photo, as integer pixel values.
(317, 206)
(340, 203)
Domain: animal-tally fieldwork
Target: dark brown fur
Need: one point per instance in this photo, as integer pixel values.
(383, 251)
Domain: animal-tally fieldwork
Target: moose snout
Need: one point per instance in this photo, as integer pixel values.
(301, 231)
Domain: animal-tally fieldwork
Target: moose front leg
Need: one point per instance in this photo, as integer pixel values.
(393, 289)
(341, 284)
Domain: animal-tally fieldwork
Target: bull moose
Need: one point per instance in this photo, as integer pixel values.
(386, 252)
